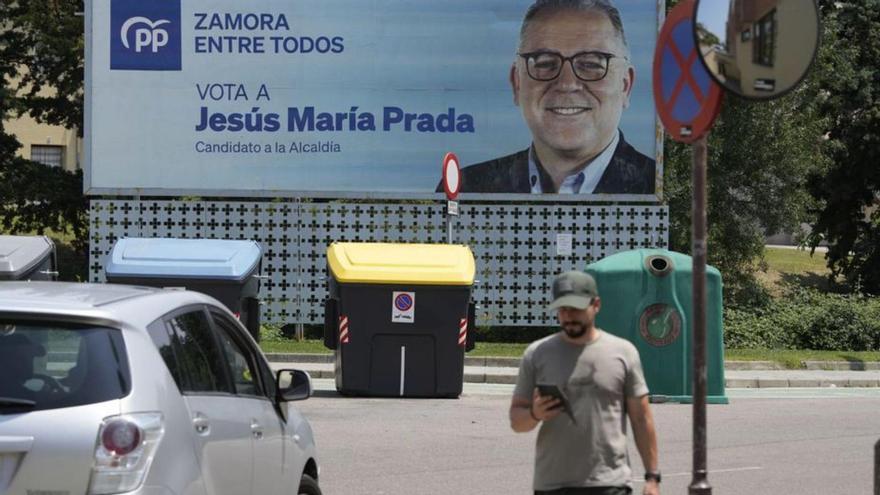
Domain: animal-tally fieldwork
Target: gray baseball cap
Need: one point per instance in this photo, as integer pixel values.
(573, 289)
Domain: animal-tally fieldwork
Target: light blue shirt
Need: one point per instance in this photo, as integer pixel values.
(583, 182)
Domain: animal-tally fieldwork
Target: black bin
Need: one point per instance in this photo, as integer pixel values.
(27, 258)
(227, 270)
(399, 317)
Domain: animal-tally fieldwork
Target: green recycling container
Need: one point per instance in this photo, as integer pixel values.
(647, 299)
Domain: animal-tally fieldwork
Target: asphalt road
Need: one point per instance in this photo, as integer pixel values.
(807, 442)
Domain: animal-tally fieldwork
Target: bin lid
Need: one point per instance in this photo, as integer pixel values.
(650, 260)
(216, 259)
(386, 263)
(19, 254)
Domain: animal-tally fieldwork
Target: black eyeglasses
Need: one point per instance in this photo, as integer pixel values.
(587, 66)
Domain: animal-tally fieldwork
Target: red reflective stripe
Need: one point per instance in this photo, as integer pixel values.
(343, 329)
(462, 331)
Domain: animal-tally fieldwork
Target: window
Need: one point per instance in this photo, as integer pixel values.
(191, 353)
(244, 374)
(254, 358)
(54, 365)
(765, 40)
(52, 156)
(161, 338)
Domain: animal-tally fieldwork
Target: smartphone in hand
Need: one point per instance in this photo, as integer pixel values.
(548, 389)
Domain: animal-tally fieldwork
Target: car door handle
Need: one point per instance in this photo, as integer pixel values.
(201, 424)
(256, 430)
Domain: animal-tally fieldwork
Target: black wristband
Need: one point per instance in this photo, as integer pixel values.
(652, 475)
(532, 413)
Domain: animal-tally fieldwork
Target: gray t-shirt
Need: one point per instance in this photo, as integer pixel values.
(597, 378)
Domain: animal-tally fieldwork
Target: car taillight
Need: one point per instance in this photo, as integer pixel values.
(121, 437)
(124, 451)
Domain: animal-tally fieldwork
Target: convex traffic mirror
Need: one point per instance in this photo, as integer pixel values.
(757, 49)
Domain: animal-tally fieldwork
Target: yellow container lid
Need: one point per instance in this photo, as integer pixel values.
(385, 263)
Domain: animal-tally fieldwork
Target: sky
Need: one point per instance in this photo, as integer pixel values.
(713, 15)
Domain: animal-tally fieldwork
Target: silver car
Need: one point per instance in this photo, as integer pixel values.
(116, 389)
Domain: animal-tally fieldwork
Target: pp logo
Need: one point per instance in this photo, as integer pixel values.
(151, 36)
(145, 35)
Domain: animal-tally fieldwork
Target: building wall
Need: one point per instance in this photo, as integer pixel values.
(31, 133)
(791, 39)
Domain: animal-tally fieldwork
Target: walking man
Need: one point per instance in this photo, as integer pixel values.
(583, 450)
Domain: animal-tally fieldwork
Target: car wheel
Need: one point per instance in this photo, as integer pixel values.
(308, 486)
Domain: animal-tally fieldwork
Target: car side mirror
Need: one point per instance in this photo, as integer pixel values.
(293, 385)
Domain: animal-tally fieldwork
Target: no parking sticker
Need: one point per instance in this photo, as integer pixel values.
(403, 307)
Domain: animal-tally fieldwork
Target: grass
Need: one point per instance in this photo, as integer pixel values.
(794, 267)
(309, 346)
(786, 358)
(795, 260)
(792, 358)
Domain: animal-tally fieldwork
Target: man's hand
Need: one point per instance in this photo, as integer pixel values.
(651, 488)
(526, 414)
(544, 407)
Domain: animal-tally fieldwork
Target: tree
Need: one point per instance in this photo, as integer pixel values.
(760, 156)
(850, 102)
(41, 74)
(43, 45)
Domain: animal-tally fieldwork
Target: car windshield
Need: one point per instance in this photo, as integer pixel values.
(48, 365)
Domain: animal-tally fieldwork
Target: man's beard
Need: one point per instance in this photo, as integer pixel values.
(574, 329)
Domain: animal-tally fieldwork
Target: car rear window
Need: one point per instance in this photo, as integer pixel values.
(51, 365)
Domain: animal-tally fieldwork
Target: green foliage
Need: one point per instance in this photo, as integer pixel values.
(37, 198)
(849, 101)
(522, 335)
(807, 319)
(759, 157)
(42, 45)
(41, 74)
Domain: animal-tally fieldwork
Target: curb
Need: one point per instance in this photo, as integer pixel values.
(799, 383)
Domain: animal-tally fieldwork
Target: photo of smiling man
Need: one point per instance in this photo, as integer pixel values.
(572, 79)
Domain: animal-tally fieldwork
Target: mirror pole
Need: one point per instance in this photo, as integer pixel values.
(699, 483)
(877, 468)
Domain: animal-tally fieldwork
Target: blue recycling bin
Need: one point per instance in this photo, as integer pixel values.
(227, 270)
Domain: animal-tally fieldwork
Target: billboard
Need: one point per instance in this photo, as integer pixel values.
(359, 99)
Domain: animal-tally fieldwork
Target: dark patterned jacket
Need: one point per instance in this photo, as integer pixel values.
(629, 172)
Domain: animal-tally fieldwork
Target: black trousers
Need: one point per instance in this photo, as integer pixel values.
(590, 490)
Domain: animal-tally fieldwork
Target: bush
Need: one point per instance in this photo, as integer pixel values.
(807, 319)
(36, 198)
(512, 335)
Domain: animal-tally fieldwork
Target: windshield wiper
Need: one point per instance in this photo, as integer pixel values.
(12, 402)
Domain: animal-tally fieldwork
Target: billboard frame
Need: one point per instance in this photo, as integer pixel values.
(96, 192)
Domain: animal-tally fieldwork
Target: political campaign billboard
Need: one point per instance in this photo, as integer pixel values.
(350, 98)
